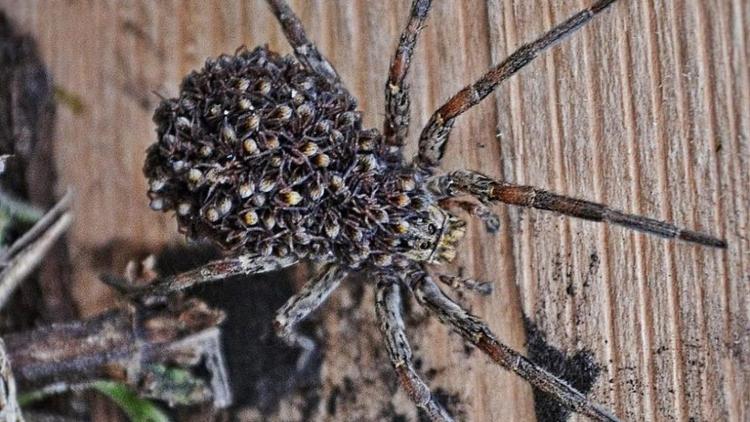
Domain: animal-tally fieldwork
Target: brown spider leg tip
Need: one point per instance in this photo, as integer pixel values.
(703, 239)
(602, 5)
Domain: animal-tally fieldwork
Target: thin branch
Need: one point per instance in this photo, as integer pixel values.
(138, 345)
(25, 261)
(62, 206)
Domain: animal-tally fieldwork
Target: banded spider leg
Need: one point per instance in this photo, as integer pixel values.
(476, 332)
(216, 270)
(312, 295)
(397, 102)
(305, 50)
(488, 191)
(434, 137)
(389, 313)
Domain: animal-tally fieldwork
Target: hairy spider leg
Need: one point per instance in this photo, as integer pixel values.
(458, 283)
(397, 102)
(489, 190)
(304, 49)
(312, 295)
(475, 331)
(389, 313)
(434, 137)
(217, 270)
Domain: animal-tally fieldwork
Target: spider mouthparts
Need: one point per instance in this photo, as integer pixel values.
(454, 231)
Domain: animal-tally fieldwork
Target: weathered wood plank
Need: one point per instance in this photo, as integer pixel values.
(647, 109)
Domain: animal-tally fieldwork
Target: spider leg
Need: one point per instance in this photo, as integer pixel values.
(477, 332)
(490, 219)
(212, 271)
(457, 283)
(388, 310)
(313, 294)
(488, 190)
(435, 135)
(397, 102)
(304, 49)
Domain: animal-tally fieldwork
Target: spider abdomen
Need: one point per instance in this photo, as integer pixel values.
(260, 154)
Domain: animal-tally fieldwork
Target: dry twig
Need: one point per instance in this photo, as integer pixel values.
(141, 346)
(28, 251)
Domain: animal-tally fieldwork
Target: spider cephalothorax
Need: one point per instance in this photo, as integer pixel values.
(266, 155)
(261, 154)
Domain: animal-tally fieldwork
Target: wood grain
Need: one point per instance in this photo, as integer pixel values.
(646, 109)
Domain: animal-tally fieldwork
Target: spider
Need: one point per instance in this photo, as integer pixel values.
(266, 156)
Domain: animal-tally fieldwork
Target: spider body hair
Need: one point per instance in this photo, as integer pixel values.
(274, 161)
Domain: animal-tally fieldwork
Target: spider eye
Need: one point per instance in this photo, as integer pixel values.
(431, 229)
(424, 246)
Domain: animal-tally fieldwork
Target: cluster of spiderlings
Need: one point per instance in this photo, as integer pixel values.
(261, 154)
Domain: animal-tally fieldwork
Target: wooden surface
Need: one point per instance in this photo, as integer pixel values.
(647, 109)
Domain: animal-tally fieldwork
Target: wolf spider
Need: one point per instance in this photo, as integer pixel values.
(398, 216)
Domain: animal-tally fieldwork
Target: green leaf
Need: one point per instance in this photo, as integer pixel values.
(137, 409)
